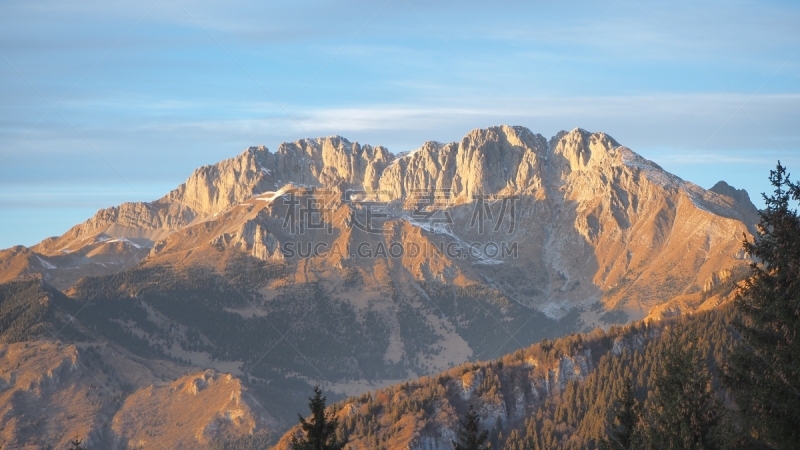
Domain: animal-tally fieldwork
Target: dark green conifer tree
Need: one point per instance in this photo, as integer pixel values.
(468, 437)
(683, 412)
(624, 430)
(320, 431)
(764, 370)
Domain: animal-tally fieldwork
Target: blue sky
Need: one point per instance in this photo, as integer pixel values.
(146, 91)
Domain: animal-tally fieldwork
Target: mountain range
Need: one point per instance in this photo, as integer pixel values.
(334, 263)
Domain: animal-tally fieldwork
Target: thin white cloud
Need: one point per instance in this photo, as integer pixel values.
(720, 157)
(689, 107)
(684, 117)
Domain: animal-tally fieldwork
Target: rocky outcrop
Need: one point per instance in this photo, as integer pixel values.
(740, 195)
(327, 162)
(715, 279)
(566, 369)
(215, 188)
(192, 412)
(252, 238)
(741, 202)
(498, 160)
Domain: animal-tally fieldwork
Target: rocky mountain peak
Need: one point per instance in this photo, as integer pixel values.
(214, 188)
(328, 161)
(579, 146)
(740, 195)
(495, 160)
(740, 202)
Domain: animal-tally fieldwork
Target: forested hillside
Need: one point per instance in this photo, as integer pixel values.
(557, 394)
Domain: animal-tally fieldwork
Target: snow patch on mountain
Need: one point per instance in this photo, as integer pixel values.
(46, 264)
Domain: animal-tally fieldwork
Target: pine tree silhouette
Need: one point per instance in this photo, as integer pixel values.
(764, 370)
(320, 432)
(624, 431)
(468, 437)
(683, 412)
